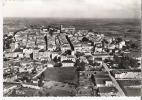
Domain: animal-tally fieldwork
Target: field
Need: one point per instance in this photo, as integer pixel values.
(130, 91)
(52, 92)
(68, 75)
(82, 23)
(98, 25)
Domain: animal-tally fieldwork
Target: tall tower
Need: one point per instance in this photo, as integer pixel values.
(61, 26)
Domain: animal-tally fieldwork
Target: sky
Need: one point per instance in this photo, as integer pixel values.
(72, 8)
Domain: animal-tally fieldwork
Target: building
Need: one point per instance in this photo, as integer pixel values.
(68, 57)
(85, 92)
(51, 47)
(14, 46)
(50, 65)
(98, 60)
(31, 85)
(41, 53)
(107, 91)
(41, 45)
(10, 55)
(103, 82)
(36, 53)
(27, 52)
(98, 50)
(67, 63)
(68, 29)
(123, 74)
(121, 44)
(65, 47)
(54, 54)
(86, 46)
(19, 52)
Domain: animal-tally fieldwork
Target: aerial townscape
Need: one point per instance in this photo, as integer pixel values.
(71, 57)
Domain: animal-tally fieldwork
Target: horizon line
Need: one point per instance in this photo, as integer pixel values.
(72, 17)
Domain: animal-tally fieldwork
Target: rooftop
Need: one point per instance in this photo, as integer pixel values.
(41, 50)
(101, 81)
(119, 71)
(18, 50)
(67, 61)
(107, 89)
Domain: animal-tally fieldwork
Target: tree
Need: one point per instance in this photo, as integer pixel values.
(34, 71)
(55, 59)
(81, 66)
(84, 39)
(119, 40)
(92, 78)
(78, 54)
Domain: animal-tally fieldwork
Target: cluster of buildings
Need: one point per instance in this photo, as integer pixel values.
(35, 50)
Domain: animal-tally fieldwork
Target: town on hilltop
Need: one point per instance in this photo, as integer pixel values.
(66, 61)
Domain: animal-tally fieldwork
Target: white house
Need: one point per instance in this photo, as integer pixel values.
(109, 83)
(67, 63)
(50, 65)
(99, 50)
(30, 86)
(27, 52)
(136, 74)
(102, 82)
(121, 44)
(68, 57)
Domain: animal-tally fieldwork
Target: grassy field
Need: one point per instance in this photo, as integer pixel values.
(68, 75)
(129, 91)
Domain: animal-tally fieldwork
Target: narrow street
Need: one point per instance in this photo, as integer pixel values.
(121, 93)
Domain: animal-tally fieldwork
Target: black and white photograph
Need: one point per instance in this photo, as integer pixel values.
(71, 48)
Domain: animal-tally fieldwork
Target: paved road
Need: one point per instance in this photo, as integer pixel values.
(121, 93)
(39, 73)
